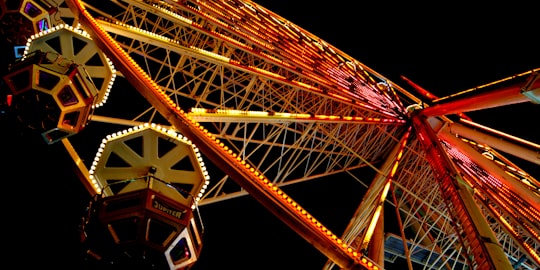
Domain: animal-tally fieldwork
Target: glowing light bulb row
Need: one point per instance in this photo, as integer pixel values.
(533, 251)
(58, 27)
(205, 174)
(105, 95)
(510, 170)
(163, 130)
(307, 86)
(266, 72)
(346, 99)
(49, 31)
(210, 54)
(278, 115)
(147, 33)
(175, 15)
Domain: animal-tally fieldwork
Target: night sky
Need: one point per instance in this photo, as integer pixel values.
(445, 49)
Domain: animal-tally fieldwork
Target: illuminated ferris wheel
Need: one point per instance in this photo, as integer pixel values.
(169, 88)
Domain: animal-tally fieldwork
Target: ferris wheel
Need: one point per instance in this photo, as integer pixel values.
(169, 106)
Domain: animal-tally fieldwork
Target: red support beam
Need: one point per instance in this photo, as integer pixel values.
(504, 96)
(481, 245)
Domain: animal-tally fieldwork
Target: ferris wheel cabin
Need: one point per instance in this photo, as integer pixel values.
(51, 94)
(149, 180)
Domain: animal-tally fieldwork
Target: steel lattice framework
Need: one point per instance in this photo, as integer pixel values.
(297, 108)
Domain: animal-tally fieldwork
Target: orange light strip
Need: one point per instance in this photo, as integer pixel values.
(223, 115)
(384, 193)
